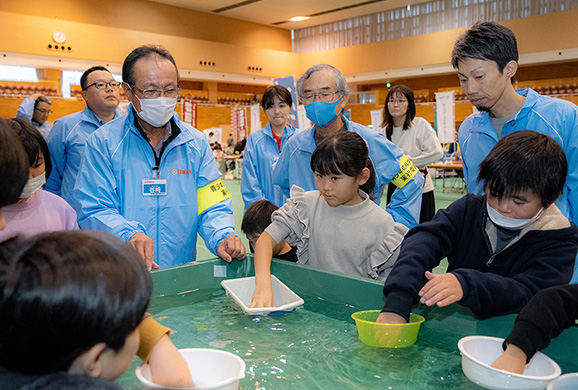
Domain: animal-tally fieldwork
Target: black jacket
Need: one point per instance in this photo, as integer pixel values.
(492, 284)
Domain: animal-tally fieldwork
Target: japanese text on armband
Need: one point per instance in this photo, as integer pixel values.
(211, 194)
(407, 170)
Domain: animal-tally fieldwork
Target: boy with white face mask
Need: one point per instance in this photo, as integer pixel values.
(37, 211)
(502, 247)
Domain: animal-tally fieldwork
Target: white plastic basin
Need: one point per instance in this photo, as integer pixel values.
(479, 352)
(564, 382)
(241, 289)
(211, 369)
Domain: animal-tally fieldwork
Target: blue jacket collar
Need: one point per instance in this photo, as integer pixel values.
(183, 136)
(89, 116)
(308, 136)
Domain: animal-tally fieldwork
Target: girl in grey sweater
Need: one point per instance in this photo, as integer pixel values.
(338, 227)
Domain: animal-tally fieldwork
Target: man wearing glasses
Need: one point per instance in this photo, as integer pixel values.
(324, 90)
(68, 137)
(36, 109)
(151, 179)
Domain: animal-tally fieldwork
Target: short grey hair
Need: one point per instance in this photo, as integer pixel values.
(340, 82)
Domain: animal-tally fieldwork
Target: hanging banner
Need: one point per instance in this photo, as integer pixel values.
(239, 122)
(445, 117)
(303, 120)
(255, 118)
(376, 119)
(189, 114)
(289, 83)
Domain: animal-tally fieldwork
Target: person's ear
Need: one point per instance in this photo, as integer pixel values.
(342, 104)
(127, 91)
(510, 69)
(363, 176)
(89, 362)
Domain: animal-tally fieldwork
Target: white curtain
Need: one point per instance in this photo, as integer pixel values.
(427, 17)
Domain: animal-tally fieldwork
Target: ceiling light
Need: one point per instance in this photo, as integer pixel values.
(299, 18)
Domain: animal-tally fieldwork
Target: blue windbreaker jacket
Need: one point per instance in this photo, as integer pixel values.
(293, 168)
(556, 118)
(109, 190)
(261, 154)
(66, 142)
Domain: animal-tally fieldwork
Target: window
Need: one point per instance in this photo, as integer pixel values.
(72, 77)
(427, 17)
(18, 73)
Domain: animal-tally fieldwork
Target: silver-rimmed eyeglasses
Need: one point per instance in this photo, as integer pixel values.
(326, 96)
(170, 92)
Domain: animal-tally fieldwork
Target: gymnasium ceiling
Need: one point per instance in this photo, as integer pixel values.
(278, 12)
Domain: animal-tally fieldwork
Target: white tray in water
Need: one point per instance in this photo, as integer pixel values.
(241, 289)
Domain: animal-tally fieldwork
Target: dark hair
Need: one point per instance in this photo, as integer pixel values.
(145, 51)
(346, 153)
(64, 292)
(276, 91)
(33, 143)
(257, 217)
(525, 160)
(41, 99)
(14, 166)
(486, 41)
(89, 71)
(388, 119)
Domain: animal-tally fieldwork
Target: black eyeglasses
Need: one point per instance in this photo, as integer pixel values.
(103, 85)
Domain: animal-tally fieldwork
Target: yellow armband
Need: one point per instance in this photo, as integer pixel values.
(407, 170)
(211, 194)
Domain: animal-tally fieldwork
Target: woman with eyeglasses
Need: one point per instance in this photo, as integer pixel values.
(264, 146)
(415, 137)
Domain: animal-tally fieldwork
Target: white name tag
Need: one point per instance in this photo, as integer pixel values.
(154, 187)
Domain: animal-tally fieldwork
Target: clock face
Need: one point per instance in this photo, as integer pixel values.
(59, 36)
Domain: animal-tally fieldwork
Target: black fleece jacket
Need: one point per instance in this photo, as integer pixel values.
(493, 284)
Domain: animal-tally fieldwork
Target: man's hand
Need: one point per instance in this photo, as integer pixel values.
(144, 246)
(36, 96)
(231, 248)
(442, 290)
(513, 359)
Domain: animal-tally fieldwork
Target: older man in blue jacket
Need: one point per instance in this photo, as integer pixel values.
(324, 90)
(152, 180)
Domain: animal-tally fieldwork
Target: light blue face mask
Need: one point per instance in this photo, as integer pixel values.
(322, 113)
(510, 223)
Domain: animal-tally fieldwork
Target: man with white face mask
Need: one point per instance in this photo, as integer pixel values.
(152, 180)
(323, 89)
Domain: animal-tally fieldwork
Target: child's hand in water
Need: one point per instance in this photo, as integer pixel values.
(262, 296)
(442, 289)
(390, 318)
(513, 359)
(168, 367)
(388, 336)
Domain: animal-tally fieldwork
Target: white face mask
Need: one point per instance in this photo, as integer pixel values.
(510, 223)
(33, 185)
(158, 111)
